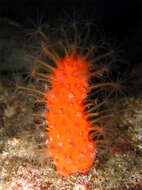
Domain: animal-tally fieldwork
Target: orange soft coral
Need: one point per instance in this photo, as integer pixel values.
(69, 142)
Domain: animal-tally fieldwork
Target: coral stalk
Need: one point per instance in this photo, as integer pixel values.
(69, 142)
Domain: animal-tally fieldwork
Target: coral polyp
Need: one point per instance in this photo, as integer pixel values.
(73, 120)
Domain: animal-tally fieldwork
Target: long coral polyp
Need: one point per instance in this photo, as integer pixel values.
(69, 142)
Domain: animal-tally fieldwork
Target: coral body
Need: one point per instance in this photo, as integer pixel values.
(69, 141)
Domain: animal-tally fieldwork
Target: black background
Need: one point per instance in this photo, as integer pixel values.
(120, 19)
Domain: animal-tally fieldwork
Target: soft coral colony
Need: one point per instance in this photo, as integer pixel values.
(73, 76)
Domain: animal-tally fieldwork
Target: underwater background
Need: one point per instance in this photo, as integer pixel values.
(23, 165)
